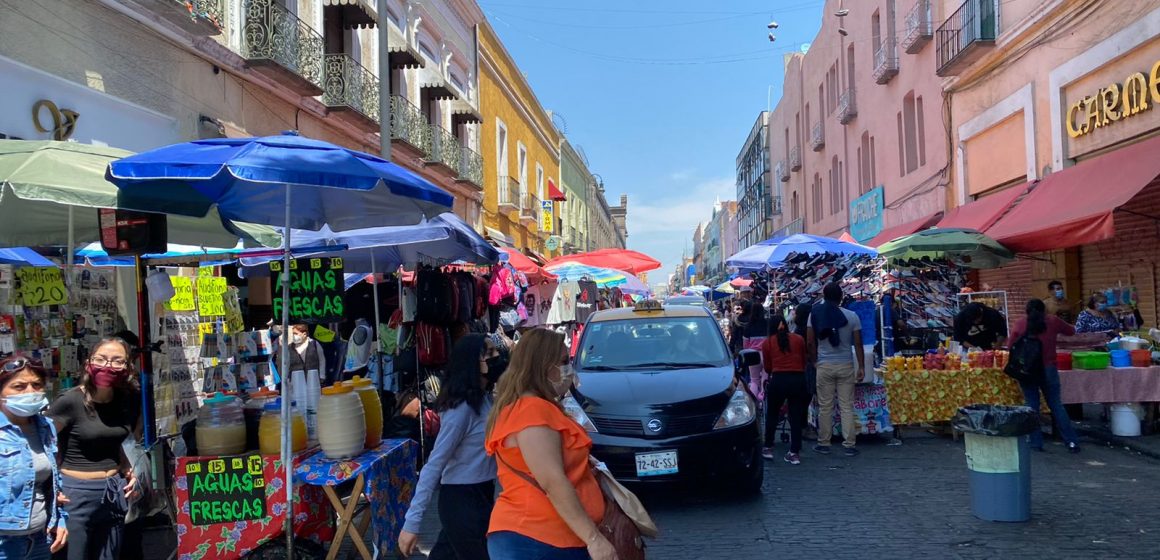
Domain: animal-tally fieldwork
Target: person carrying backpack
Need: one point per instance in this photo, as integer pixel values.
(1039, 325)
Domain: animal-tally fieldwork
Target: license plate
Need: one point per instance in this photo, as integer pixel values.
(654, 464)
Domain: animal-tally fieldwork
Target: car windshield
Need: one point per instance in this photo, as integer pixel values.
(655, 343)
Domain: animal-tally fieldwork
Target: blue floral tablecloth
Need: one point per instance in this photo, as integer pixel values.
(391, 476)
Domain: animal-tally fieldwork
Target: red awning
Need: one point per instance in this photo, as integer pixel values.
(1074, 206)
(984, 212)
(554, 192)
(890, 234)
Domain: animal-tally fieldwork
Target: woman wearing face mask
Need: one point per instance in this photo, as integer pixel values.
(465, 474)
(32, 524)
(551, 502)
(93, 419)
(1097, 318)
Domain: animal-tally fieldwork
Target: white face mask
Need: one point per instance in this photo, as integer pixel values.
(26, 404)
(298, 338)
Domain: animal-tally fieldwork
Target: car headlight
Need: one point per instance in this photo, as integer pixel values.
(741, 410)
(572, 408)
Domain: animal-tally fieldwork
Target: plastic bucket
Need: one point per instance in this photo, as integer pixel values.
(1125, 419)
(1063, 360)
(1141, 358)
(1121, 358)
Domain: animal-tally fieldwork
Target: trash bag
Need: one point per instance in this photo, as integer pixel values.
(996, 420)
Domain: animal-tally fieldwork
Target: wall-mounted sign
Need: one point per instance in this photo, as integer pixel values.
(546, 218)
(552, 243)
(226, 490)
(1114, 102)
(866, 214)
(316, 289)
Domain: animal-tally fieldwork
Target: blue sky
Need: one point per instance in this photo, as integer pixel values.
(660, 94)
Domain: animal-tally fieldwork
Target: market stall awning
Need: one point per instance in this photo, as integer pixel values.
(1075, 206)
(23, 256)
(353, 13)
(984, 212)
(524, 264)
(890, 234)
(499, 238)
(554, 192)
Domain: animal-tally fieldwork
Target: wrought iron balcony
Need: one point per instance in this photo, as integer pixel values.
(776, 208)
(794, 227)
(445, 149)
(529, 207)
(795, 158)
(352, 91)
(966, 36)
(886, 60)
(919, 27)
(197, 17)
(818, 137)
(781, 170)
(408, 125)
(847, 106)
(509, 193)
(276, 43)
(470, 167)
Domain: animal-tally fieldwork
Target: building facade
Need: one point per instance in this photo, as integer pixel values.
(603, 230)
(577, 182)
(620, 222)
(523, 152)
(756, 202)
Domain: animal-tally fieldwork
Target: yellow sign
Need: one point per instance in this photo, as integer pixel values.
(234, 322)
(210, 302)
(546, 218)
(205, 271)
(41, 286)
(64, 121)
(182, 299)
(1114, 102)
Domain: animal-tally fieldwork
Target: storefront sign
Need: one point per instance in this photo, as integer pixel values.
(316, 289)
(182, 299)
(210, 290)
(41, 286)
(1114, 102)
(546, 218)
(866, 214)
(226, 490)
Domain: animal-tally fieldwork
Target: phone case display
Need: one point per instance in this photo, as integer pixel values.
(178, 372)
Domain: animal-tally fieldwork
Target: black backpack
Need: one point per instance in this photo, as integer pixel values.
(1026, 361)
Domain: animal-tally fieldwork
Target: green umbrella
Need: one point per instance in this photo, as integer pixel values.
(43, 181)
(966, 247)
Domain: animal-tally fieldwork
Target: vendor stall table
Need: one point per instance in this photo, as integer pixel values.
(1111, 385)
(387, 490)
(871, 410)
(227, 507)
(928, 396)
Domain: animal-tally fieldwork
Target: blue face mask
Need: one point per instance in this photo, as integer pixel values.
(1101, 307)
(26, 404)
(1059, 294)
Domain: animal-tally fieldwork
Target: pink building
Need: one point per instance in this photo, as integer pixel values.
(861, 110)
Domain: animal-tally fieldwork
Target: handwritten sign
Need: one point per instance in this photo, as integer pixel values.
(41, 286)
(316, 290)
(210, 302)
(182, 299)
(234, 322)
(226, 490)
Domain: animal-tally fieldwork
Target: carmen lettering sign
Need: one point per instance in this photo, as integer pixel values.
(226, 490)
(1114, 102)
(316, 288)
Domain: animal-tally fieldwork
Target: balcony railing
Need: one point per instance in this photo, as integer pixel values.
(408, 124)
(795, 158)
(351, 87)
(847, 106)
(776, 208)
(445, 149)
(276, 42)
(470, 167)
(781, 170)
(919, 27)
(818, 137)
(794, 227)
(965, 36)
(529, 206)
(198, 17)
(886, 61)
(509, 192)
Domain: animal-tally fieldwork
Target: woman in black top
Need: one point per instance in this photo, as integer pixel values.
(93, 420)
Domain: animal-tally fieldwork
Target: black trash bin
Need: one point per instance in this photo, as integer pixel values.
(999, 459)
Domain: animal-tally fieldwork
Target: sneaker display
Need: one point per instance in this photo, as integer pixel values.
(793, 458)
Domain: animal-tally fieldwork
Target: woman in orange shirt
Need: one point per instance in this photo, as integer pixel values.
(784, 357)
(551, 502)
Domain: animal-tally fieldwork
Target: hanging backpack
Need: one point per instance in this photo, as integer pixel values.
(432, 343)
(1026, 360)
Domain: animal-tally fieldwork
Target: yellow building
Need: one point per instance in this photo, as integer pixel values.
(521, 151)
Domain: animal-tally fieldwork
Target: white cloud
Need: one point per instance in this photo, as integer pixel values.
(682, 175)
(663, 226)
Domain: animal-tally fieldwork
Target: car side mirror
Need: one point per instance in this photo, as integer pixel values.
(748, 358)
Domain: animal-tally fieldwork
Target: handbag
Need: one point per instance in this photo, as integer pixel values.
(624, 532)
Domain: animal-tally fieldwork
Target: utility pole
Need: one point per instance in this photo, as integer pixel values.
(384, 29)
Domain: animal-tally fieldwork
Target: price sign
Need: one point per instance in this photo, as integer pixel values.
(210, 302)
(226, 489)
(182, 299)
(41, 286)
(316, 290)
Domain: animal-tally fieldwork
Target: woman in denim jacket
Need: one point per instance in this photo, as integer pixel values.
(32, 523)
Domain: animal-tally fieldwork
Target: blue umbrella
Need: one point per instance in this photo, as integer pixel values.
(771, 253)
(23, 256)
(94, 255)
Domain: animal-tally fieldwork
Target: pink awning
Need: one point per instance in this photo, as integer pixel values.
(984, 212)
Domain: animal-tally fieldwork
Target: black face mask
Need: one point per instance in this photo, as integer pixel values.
(495, 368)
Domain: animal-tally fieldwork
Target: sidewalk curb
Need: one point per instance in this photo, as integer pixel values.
(1109, 438)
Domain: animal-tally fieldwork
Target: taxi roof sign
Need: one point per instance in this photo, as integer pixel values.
(646, 305)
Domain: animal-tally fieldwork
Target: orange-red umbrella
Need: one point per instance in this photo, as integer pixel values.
(847, 237)
(522, 263)
(632, 262)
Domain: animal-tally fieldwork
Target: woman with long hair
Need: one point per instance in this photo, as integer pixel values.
(93, 420)
(1046, 328)
(32, 524)
(784, 357)
(465, 474)
(551, 502)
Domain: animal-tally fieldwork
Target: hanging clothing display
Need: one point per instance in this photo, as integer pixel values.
(587, 300)
(563, 307)
(358, 348)
(538, 304)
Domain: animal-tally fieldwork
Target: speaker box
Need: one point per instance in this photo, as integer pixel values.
(126, 232)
